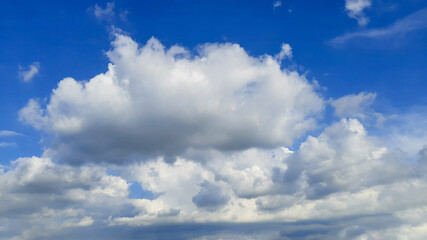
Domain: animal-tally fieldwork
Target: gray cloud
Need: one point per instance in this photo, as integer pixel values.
(210, 197)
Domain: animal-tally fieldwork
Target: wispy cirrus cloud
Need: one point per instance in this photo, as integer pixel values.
(9, 133)
(412, 22)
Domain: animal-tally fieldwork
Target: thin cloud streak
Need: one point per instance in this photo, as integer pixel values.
(412, 22)
(4, 133)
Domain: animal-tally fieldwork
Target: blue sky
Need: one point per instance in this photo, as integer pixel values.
(217, 91)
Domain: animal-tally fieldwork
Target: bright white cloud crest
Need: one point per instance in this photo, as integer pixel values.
(157, 101)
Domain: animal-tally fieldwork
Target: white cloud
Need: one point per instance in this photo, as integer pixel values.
(353, 105)
(7, 144)
(28, 73)
(39, 197)
(84, 222)
(342, 173)
(206, 135)
(106, 14)
(355, 9)
(162, 102)
(358, 106)
(9, 133)
(277, 4)
(412, 22)
(285, 52)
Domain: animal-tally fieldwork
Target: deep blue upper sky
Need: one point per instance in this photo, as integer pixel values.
(68, 40)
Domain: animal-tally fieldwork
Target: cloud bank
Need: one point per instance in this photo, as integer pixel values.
(206, 139)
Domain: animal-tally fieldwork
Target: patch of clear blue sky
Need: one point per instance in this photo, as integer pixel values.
(68, 40)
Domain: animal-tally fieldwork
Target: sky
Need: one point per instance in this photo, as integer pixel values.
(197, 119)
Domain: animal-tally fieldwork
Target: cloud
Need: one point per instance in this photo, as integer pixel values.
(7, 144)
(210, 197)
(354, 9)
(84, 222)
(156, 101)
(40, 198)
(412, 22)
(210, 134)
(9, 133)
(285, 52)
(277, 4)
(28, 73)
(104, 14)
(353, 105)
(358, 106)
(343, 181)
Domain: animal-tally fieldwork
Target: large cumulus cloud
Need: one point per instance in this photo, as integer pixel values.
(158, 101)
(211, 134)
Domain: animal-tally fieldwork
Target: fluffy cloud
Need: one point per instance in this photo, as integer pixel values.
(285, 52)
(355, 9)
(342, 173)
(211, 134)
(39, 198)
(157, 101)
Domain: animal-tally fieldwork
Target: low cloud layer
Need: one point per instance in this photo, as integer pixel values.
(343, 181)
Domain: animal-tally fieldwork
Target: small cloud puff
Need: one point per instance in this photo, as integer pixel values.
(285, 52)
(106, 14)
(28, 73)
(355, 9)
